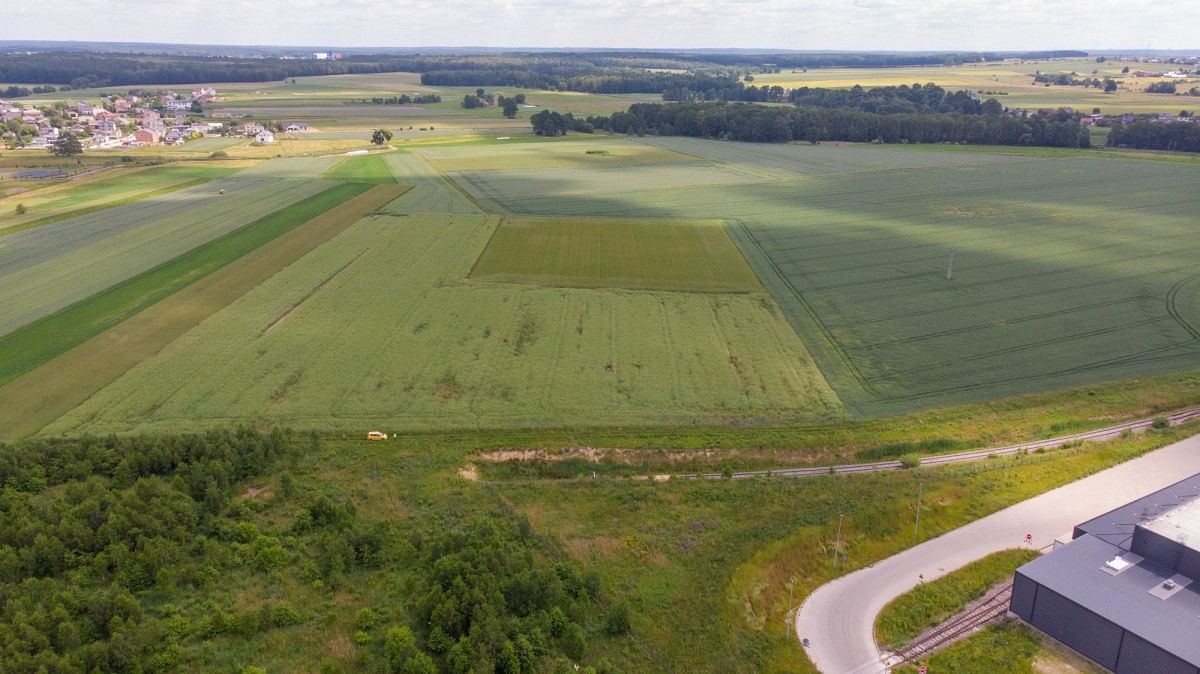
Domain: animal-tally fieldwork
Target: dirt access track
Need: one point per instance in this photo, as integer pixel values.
(38, 397)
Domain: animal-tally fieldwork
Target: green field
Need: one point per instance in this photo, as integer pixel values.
(430, 193)
(1068, 270)
(36, 343)
(107, 246)
(113, 187)
(418, 347)
(362, 169)
(598, 253)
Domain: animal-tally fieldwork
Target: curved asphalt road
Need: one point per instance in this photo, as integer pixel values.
(839, 617)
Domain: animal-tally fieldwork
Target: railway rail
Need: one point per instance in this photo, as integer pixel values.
(990, 610)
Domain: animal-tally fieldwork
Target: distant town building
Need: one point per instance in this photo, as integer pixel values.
(264, 137)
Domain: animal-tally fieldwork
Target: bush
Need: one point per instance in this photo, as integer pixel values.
(219, 154)
(367, 619)
(21, 209)
(910, 461)
(1160, 422)
(284, 615)
(617, 622)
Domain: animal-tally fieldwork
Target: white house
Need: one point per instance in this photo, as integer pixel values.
(264, 137)
(296, 126)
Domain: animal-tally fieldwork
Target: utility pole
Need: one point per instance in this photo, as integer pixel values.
(950, 266)
(917, 523)
(837, 546)
(788, 618)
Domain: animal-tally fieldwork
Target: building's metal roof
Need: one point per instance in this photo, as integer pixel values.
(1181, 524)
(1077, 571)
(1116, 526)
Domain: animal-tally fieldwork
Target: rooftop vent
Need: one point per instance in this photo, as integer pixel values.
(1168, 584)
(1116, 564)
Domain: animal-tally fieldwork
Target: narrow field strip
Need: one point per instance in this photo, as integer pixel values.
(102, 207)
(60, 361)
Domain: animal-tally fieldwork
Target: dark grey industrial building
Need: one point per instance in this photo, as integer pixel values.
(1121, 592)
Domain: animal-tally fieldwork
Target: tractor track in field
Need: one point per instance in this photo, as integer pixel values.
(1006, 279)
(1002, 323)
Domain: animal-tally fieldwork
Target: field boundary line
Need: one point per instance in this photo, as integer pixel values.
(842, 357)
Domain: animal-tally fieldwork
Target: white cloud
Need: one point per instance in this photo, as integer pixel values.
(778, 24)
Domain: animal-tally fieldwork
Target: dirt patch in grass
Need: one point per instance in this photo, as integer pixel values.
(38, 397)
(469, 472)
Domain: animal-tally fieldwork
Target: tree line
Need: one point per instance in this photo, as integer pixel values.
(1145, 135)
(402, 99)
(923, 98)
(774, 124)
(14, 91)
(115, 554)
(591, 80)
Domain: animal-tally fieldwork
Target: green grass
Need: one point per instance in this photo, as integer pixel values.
(42, 340)
(599, 253)
(712, 567)
(369, 168)
(930, 604)
(1007, 648)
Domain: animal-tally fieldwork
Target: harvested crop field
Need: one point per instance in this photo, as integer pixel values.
(419, 348)
(597, 253)
(29, 402)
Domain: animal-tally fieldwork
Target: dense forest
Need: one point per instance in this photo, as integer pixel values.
(896, 99)
(1145, 135)
(778, 124)
(126, 555)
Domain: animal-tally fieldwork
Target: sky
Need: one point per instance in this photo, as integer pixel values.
(925, 25)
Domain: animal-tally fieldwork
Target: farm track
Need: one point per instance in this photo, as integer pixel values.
(1099, 434)
(36, 398)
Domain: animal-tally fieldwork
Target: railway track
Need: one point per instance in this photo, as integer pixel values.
(1099, 434)
(988, 611)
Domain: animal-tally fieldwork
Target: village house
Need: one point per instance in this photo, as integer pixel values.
(147, 136)
(252, 129)
(264, 137)
(83, 107)
(293, 127)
